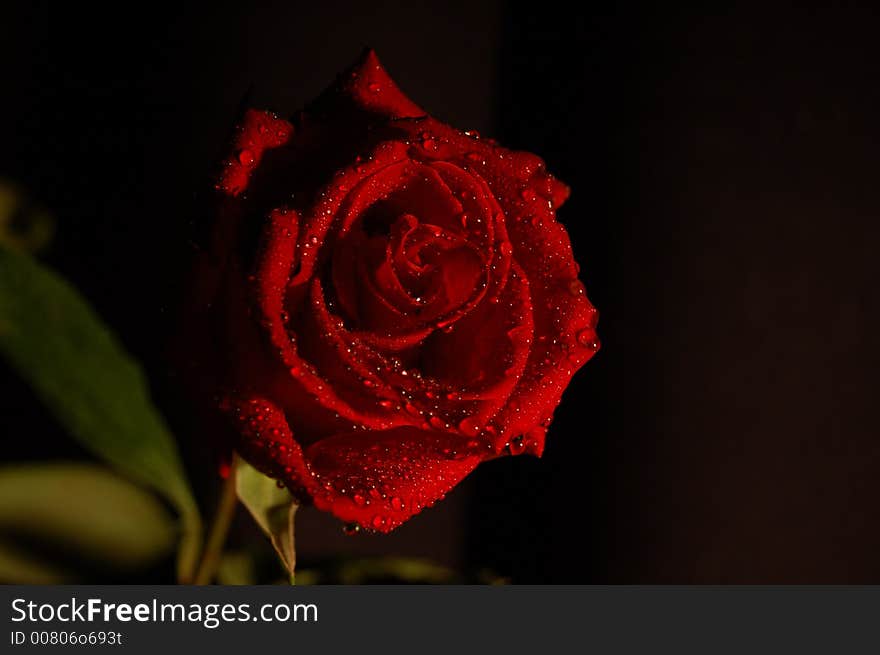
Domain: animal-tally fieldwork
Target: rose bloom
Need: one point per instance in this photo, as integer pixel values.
(385, 301)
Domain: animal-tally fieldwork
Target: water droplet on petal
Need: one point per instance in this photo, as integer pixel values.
(246, 157)
(374, 88)
(378, 521)
(359, 500)
(396, 504)
(469, 426)
(576, 288)
(517, 445)
(587, 338)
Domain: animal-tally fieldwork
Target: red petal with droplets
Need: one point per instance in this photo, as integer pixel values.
(380, 480)
(259, 131)
(268, 443)
(366, 88)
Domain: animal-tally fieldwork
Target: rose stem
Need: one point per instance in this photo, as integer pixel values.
(219, 529)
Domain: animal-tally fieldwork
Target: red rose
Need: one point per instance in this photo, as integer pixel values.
(392, 300)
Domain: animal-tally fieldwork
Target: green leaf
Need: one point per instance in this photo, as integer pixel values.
(56, 342)
(272, 508)
(84, 512)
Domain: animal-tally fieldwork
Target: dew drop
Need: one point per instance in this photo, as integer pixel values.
(469, 426)
(576, 288)
(359, 500)
(350, 529)
(378, 521)
(587, 338)
(396, 504)
(374, 88)
(517, 445)
(246, 157)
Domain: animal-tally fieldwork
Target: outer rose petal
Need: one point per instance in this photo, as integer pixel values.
(565, 320)
(258, 132)
(268, 444)
(380, 480)
(367, 88)
(377, 481)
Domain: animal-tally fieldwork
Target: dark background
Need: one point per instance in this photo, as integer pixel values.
(725, 215)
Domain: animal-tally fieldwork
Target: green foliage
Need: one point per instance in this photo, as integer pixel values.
(77, 511)
(57, 343)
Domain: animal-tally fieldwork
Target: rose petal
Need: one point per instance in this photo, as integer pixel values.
(380, 480)
(491, 347)
(258, 132)
(268, 443)
(565, 320)
(366, 88)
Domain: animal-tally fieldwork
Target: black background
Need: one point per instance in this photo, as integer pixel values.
(725, 215)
